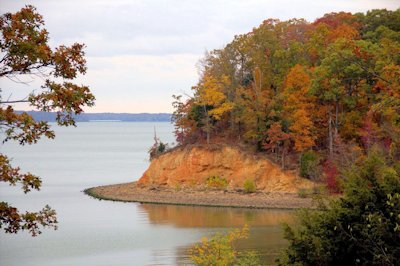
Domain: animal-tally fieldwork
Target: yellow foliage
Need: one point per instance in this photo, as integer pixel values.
(218, 250)
(224, 108)
(299, 107)
(211, 93)
(302, 127)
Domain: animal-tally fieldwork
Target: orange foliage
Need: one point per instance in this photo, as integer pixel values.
(299, 106)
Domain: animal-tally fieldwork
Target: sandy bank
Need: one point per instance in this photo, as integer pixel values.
(129, 192)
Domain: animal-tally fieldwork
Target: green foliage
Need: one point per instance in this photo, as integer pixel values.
(178, 187)
(216, 182)
(248, 258)
(161, 147)
(219, 250)
(311, 192)
(157, 149)
(303, 193)
(249, 186)
(361, 228)
(319, 189)
(309, 165)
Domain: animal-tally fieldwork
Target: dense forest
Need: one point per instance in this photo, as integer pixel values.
(312, 96)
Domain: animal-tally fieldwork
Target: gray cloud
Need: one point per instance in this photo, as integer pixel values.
(169, 27)
(140, 52)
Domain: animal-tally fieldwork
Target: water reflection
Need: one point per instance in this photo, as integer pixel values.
(190, 216)
(265, 226)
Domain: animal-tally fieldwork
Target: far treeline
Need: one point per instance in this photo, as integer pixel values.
(315, 96)
(87, 117)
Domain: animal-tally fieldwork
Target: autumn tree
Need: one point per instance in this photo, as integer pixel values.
(299, 107)
(287, 87)
(213, 101)
(25, 51)
(255, 99)
(278, 141)
(340, 83)
(183, 118)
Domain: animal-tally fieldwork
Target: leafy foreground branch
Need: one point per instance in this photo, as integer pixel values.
(10, 218)
(361, 228)
(220, 250)
(13, 221)
(25, 51)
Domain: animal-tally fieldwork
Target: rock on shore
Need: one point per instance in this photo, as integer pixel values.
(190, 166)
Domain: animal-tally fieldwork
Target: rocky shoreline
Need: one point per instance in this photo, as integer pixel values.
(130, 192)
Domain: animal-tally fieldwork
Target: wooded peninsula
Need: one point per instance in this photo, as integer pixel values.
(313, 96)
(292, 108)
(309, 99)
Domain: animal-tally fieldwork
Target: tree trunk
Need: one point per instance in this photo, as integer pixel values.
(239, 130)
(232, 125)
(330, 134)
(241, 70)
(208, 129)
(259, 141)
(336, 119)
(207, 125)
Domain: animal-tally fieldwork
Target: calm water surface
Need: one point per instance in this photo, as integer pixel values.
(93, 232)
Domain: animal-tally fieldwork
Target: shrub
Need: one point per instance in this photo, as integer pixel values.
(302, 192)
(161, 147)
(249, 186)
(309, 165)
(360, 228)
(319, 189)
(157, 148)
(216, 182)
(311, 192)
(332, 174)
(178, 187)
(219, 250)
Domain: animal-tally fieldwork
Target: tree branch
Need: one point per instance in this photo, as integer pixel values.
(18, 101)
(365, 69)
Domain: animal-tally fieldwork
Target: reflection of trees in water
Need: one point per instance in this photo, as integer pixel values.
(190, 216)
(266, 235)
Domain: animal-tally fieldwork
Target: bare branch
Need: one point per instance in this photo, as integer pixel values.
(28, 70)
(18, 80)
(17, 101)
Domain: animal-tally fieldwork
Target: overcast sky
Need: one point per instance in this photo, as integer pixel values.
(141, 52)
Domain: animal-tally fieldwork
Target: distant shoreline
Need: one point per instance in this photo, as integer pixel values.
(105, 120)
(103, 117)
(129, 192)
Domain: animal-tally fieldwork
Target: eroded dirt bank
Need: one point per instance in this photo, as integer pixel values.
(191, 166)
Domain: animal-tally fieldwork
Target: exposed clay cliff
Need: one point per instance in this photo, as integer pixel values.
(191, 166)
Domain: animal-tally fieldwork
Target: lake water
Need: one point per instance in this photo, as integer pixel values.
(93, 232)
